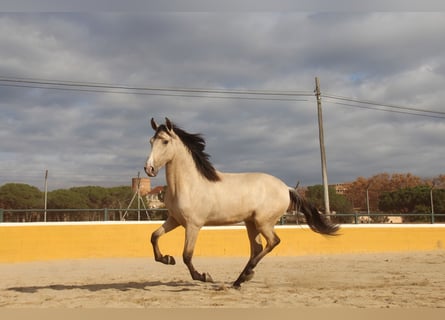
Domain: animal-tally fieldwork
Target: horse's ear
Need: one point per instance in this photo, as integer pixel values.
(168, 124)
(153, 124)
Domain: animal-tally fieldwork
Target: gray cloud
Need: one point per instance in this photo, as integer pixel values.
(102, 138)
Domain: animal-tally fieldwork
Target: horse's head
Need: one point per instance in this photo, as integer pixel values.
(162, 149)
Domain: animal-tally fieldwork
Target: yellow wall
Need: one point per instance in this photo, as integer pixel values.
(30, 242)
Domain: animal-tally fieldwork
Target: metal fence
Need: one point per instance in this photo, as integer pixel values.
(107, 214)
(361, 217)
(67, 215)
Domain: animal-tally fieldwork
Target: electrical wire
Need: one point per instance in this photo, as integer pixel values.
(103, 87)
(391, 106)
(268, 95)
(392, 111)
(184, 95)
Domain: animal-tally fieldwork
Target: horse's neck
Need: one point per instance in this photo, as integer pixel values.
(181, 174)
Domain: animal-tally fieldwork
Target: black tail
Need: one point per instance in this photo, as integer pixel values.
(316, 221)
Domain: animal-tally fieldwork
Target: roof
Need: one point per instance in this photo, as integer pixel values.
(156, 190)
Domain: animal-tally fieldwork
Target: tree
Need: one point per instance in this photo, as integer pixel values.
(23, 196)
(20, 196)
(67, 199)
(337, 202)
(89, 197)
(96, 197)
(415, 200)
(356, 193)
(376, 185)
(119, 197)
(439, 204)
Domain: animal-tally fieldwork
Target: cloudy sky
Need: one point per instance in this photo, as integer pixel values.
(71, 99)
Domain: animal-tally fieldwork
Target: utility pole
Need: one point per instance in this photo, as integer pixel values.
(432, 203)
(367, 202)
(322, 150)
(46, 194)
(139, 196)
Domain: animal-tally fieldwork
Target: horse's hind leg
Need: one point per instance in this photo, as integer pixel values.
(255, 245)
(272, 241)
(168, 225)
(254, 237)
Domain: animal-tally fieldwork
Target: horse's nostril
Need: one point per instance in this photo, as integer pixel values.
(150, 171)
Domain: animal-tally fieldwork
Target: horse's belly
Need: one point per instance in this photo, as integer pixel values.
(226, 218)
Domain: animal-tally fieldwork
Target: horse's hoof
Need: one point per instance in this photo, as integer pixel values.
(236, 286)
(207, 277)
(250, 275)
(169, 260)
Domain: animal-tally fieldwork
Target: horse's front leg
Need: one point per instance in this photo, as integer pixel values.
(168, 225)
(191, 235)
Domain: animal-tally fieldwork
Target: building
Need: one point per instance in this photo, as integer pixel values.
(155, 198)
(144, 185)
(341, 188)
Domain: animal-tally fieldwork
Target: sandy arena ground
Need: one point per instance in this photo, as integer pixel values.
(389, 280)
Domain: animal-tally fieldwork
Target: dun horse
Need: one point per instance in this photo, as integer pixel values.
(198, 195)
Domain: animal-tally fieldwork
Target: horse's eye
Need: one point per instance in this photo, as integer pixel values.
(165, 142)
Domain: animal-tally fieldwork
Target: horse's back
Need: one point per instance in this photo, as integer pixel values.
(259, 193)
(256, 180)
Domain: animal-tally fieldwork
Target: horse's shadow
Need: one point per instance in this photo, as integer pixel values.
(175, 286)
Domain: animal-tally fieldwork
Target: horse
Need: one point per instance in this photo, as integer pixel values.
(198, 195)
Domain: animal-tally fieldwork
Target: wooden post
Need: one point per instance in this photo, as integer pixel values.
(322, 149)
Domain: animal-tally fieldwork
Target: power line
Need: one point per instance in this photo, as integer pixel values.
(184, 95)
(267, 95)
(111, 88)
(379, 104)
(386, 110)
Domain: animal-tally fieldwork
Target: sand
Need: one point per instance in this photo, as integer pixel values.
(384, 280)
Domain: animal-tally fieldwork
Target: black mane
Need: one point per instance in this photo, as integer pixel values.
(195, 143)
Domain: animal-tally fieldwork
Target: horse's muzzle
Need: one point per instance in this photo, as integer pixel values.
(151, 171)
